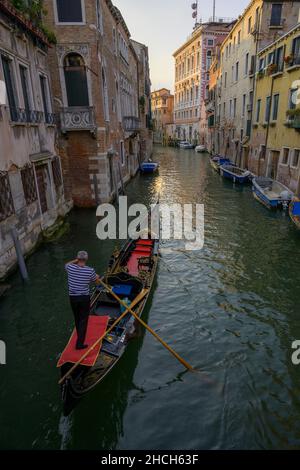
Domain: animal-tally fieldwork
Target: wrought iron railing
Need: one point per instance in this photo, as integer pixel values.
(26, 115)
(77, 119)
(131, 123)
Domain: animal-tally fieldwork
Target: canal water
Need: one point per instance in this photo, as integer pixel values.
(231, 309)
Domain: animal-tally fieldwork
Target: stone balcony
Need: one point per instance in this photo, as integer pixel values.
(131, 124)
(78, 119)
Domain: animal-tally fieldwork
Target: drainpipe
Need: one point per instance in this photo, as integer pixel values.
(20, 257)
(268, 126)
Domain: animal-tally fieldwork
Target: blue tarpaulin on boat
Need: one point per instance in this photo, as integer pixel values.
(296, 209)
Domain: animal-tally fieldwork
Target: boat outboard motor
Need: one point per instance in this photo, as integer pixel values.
(286, 199)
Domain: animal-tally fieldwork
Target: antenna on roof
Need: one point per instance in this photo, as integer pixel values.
(195, 11)
(214, 11)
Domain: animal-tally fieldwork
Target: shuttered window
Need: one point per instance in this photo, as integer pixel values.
(69, 11)
(276, 14)
(29, 187)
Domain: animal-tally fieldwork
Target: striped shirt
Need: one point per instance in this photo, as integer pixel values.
(79, 279)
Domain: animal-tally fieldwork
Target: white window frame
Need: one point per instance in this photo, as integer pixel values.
(48, 92)
(293, 156)
(60, 23)
(289, 156)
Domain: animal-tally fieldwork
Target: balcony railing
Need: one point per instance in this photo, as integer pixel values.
(131, 124)
(26, 115)
(77, 119)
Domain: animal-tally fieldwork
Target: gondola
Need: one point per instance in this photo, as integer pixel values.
(131, 272)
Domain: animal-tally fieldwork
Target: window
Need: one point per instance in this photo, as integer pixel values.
(239, 37)
(237, 71)
(76, 80)
(285, 156)
(6, 202)
(262, 153)
(275, 107)
(268, 109)
(246, 63)
(25, 90)
(249, 25)
(230, 108)
(279, 58)
(257, 19)
(122, 153)
(49, 118)
(261, 64)
(234, 107)
(29, 187)
(225, 80)
(99, 16)
(105, 96)
(56, 172)
(244, 105)
(69, 11)
(276, 14)
(10, 89)
(296, 51)
(210, 42)
(208, 60)
(293, 98)
(296, 158)
(258, 108)
(271, 58)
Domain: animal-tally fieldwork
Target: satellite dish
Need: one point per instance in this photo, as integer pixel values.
(194, 15)
(194, 6)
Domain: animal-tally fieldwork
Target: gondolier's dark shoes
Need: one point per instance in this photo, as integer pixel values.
(81, 346)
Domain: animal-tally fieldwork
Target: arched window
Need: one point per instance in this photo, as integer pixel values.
(76, 80)
(105, 96)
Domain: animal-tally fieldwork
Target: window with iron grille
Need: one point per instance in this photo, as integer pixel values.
(6, 201)
(29, 186)
(56, 172)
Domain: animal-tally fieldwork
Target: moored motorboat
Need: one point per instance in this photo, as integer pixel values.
(217, 160)
(131, 276)
(294, 210)
(200, 149)
(235, 174)
(185, 145)
(271, 193)
(149, 167)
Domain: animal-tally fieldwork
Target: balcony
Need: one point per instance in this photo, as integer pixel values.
(25, 116)
(131, 124)
(295, 123)
(77, 119)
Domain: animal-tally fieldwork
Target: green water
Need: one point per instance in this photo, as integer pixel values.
(232, 310)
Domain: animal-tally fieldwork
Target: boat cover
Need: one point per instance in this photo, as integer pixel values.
(96, 328)
(296, 209)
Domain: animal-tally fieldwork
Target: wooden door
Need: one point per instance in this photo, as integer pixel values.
(275, 161)
(40, 176)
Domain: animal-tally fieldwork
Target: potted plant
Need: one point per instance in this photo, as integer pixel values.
(272, 68)
(260, 74)
(289, 59)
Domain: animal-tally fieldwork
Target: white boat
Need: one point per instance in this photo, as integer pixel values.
(185, 145)
(200, 149)
(271, 193)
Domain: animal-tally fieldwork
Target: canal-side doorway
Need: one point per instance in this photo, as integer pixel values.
(273, 162)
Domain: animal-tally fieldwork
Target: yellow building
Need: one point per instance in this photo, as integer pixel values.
(162, 105)
(275, 142)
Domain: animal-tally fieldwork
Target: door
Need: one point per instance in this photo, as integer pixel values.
(274, 163)
(41, 182)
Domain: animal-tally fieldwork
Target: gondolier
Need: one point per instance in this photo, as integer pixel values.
(80, 277)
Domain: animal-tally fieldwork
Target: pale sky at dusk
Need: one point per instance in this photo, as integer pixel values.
(164, 25)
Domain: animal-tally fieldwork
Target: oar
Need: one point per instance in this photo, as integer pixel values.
(128, 310)
(180, 359)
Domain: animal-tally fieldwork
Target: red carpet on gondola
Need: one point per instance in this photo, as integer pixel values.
(96, 328)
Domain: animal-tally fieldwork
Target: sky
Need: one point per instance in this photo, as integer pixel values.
(163, 25)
